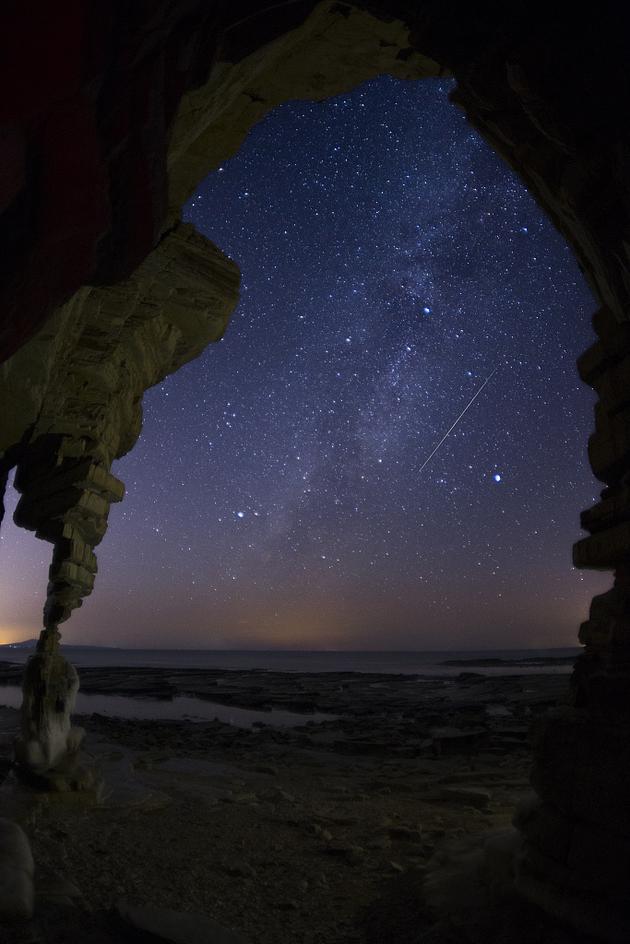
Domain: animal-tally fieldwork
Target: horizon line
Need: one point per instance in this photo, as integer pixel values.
(11, 645)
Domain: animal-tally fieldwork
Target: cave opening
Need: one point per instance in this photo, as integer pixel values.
(390, 264)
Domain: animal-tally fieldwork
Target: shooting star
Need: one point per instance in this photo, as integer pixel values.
(467, 407)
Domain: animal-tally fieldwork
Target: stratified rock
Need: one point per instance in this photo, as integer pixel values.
(80, 384)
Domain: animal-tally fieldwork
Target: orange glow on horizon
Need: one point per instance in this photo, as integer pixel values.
(16, 633)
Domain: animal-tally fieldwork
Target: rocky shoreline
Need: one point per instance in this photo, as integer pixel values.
(307, 692)
(282, 835)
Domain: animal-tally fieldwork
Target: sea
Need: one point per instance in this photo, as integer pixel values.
(435, 663)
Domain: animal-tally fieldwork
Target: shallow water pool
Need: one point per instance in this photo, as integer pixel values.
(181, 708)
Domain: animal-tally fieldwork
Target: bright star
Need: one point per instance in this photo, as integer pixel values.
(496, 477)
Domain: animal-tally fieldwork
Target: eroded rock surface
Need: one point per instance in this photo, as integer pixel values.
(50, 685)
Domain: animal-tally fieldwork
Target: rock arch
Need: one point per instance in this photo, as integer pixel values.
(118, 113)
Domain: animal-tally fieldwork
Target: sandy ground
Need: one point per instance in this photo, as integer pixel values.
(310, 834)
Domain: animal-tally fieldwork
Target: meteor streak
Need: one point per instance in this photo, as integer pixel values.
(467, 407)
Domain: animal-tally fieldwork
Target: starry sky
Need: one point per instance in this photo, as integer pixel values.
(279, 496)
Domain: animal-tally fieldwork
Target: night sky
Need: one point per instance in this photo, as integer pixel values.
(279, 496)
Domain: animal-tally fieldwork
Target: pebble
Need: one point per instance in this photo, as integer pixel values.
(477, 797)
(379, 843)
(239, 868)
(244, 798)
(352, 854)
(405, 834)
(266, 769)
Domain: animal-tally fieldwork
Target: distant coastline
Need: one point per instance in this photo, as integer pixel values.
(533, 661)
(444, 663)
(32, 643)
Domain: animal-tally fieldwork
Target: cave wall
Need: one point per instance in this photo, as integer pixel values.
(112, 112)
(102, 138)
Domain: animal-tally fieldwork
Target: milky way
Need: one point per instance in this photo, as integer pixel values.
(279, 494)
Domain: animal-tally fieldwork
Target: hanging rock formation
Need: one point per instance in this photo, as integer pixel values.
(110, 345)
(153, 98)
